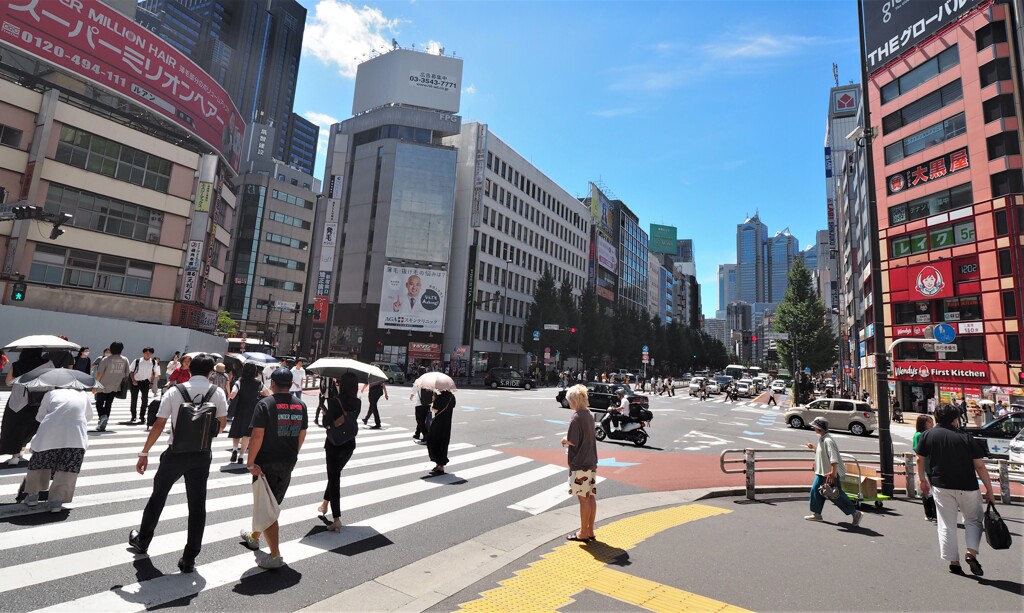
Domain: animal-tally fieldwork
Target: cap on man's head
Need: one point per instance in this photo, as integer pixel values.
(620, 392)
(281, 376)
(820, 423)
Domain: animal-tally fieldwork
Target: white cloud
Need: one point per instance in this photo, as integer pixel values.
(759, 46)
(434, 47)
(340, 34)
(469, 89)
(325, 122)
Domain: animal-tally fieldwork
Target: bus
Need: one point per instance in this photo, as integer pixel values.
(251, 344)
(755, 371)
(735, 371)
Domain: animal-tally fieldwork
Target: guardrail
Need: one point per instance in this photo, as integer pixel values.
(904, 464)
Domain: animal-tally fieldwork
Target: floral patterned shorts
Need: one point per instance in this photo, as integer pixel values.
(582, 483)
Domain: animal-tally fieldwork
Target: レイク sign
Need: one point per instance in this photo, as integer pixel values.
(941, 372)
(930, 281)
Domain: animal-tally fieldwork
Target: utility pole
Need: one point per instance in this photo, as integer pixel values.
(266, 322)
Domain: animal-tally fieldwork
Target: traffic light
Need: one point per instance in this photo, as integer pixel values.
(316, 313)
(27, 211)
(309, 309)
(572, 330)
(753, 338)
(18, 291)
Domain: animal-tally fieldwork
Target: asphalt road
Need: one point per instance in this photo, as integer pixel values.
(507, 464)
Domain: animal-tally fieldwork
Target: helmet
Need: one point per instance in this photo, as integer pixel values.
(620, 392)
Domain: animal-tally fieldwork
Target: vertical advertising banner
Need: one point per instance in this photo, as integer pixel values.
(328, 245)
(413, 299)
(479, 169)
(469, 318)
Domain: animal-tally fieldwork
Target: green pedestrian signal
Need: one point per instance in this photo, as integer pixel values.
(18, 291)
(309, 309)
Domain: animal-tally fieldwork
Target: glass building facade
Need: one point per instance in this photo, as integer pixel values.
(422, 203)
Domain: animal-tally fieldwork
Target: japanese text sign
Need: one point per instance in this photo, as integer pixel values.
(892, 27)
(915, 176)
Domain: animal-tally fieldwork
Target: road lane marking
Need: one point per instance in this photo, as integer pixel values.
(551, 582)
(547, 499)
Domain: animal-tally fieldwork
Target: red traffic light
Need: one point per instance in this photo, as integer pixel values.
(572, 330)
(753, 338)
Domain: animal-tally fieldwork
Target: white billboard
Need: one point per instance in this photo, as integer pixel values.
(413, 299)
(408, 77)
(606, 255)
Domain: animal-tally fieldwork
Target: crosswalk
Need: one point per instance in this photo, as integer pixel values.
(78, 559)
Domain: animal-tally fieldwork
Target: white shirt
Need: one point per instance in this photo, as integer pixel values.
(63, 418)
(298, 375)
(145, 369)
(197, 387)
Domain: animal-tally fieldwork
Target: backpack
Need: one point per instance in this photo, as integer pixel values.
(195, 426)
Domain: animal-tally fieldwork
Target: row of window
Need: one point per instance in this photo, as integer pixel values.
(273, 260)
(287, 241)
(928, 137)
(523, 208)
(279, 284)
(926, 105)
(931, 68)
(960, 308)
(293, 200)
(487, 301)
(941, 237)
(531, 189)
(405, 133)
(112, 159)
(89, 270)
(554, 251)
(486, 330)
(932, 204)
(494, 246)
(289, 220)
(969, 348)
(103, 214)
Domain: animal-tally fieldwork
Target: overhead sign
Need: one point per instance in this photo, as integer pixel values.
(930, 281)
(893, 27)
(94, 41)
(941, 372)
(777, 336)
(551, 326)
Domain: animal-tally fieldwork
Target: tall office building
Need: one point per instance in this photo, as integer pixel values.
(782, 252)
(752, 261)
(726, 287)
(633, 250)
(250, 47)
(618, 262)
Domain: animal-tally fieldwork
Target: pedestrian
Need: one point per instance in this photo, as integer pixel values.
(110, 375)
(174, 364)
(278, 430)
(439, 434)
(582, 459)
(194, 466)
(828, 468)
(247, 391)
(58, 448)
(298, 377)
(343, 407)
(771, 397)
(375, 392)
(924, 423)
(19, 421)
(322, 398)
(426, 397)
(219, 377)
(671, 387)
(270, 368)
(142, 372)
(954, 466)
(182, 373)
(82, 361)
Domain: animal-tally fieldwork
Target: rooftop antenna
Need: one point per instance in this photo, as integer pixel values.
(394, 44)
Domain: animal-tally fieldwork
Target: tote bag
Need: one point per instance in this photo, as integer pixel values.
(265, 509)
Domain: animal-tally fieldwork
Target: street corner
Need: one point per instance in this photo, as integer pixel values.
(598, 575)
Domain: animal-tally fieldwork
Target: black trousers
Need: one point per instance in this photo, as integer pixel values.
(195, 467)
(421, 420)
(337, 457)
(374, 398)
(143, 388)
(103, 404)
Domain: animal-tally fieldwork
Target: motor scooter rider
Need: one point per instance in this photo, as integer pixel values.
(617, 414)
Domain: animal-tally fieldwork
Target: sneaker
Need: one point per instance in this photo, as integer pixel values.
(56, 506)
(31, 500)
(234, 456)
(856, 517)
(265, 560)
(186, 566)
(813, 517)
(135, 543)
(249, 541)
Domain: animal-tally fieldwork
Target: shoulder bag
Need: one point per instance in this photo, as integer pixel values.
(996, 532)
(349, 428)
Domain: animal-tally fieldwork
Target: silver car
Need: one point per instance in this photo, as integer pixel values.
(854, 415)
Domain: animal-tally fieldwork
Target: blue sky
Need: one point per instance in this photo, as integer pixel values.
(696, 114)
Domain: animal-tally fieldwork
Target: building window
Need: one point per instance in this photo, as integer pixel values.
(1009, 304)
(941, 237)
(999, 107)
(996, 70)
(991, 34)
(106, 215)
(1002, 228)
(912, 312)
(961, 308)
(279, 284)
(273, 260)
(89, 270)
(289, 220)
(920, 109)
(1003, 144)
(1007, 182)
(293, 200)
(929, 137)
(1005, 263)
(933, 67)
(1013, 347)
(932, 204)
(112, 159)
(10, 137)
(286, 241)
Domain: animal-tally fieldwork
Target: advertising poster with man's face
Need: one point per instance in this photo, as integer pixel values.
(413, 299)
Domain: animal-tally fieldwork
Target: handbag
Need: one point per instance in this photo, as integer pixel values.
(830, 490)
(349, 427)
(929, 506)
(265, 509)
(996, 532)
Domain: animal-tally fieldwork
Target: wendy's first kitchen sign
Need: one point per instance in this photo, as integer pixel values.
(941, 372)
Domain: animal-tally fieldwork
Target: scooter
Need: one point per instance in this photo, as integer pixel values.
(631, 430)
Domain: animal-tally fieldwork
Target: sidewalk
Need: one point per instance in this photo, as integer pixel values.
(702, 549)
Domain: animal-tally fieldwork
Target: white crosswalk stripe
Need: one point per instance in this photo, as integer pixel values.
(383, 491)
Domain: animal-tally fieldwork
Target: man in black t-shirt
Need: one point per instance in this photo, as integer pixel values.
(954, 469)
(279, 425)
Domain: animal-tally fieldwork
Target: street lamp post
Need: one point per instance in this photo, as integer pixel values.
(505, 303)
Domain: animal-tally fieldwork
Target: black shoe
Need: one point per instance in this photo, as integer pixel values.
(234, 456)
(377, 427)
(956, 569)
(186, 566)
(975, 565)
(135, 543)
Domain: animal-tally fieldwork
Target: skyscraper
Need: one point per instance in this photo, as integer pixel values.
(726, 287)
(782, 252)
(752, 261)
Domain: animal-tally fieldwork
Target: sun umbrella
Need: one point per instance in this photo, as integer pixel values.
(58, 378)
(261, 359)
(41, 341)
(215, 356)
(437, 381)
(335, 367)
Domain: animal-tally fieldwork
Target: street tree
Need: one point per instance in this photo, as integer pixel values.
(546, 309)
(225, 325)
(802, 315)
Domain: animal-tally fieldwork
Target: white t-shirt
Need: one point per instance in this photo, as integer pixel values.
(298, 375)
(196, 387)
(63, 417)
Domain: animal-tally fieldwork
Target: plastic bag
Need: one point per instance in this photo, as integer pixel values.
(265, 509)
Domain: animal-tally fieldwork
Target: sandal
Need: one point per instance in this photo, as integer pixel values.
(575, 536)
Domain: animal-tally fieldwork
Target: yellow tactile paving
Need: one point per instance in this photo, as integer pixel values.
(551, 582)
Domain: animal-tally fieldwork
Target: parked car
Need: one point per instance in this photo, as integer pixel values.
(854, 415)
(997, 434)
(779, 386)
(508, 377)
(745, 388)
(1017, 452)
(393, 372)
(602, 395)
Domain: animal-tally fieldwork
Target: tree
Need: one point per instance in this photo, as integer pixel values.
(802, 316)
(546, 309)
(226, 325)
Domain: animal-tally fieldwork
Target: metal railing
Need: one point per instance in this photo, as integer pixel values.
(904, 464)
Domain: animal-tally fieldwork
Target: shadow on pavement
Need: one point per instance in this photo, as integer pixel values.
(257, 582)
(607, 554)
(1013, 587)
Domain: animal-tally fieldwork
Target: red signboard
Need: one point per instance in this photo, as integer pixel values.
(92, 40)
(941, 372)
(320, 308)
(952, 162)
(909, 331)
(424, 351)
(930, 281)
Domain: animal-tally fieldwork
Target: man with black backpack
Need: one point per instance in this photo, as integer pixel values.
(198, 412)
